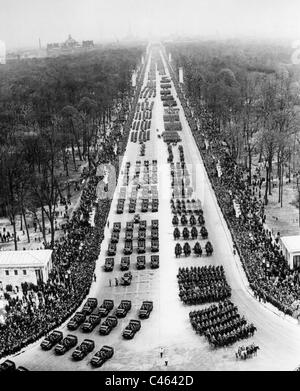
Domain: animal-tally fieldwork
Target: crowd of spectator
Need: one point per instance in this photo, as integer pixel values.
(44, 307)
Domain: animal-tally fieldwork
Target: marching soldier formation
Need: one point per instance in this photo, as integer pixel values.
(221, 324)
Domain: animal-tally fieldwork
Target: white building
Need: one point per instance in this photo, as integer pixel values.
(29, 266)
(290, 246)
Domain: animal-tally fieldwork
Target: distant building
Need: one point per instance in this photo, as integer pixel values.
(31, 266)
(67, 47)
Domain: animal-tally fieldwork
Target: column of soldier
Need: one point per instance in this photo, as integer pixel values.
(183, 207)
(221, 324)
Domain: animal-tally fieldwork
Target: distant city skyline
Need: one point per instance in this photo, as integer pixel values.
(24, 22)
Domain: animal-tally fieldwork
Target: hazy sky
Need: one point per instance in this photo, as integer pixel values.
(22, 22)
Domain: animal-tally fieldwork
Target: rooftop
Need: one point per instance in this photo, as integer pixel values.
(29, 258)
(291, 243)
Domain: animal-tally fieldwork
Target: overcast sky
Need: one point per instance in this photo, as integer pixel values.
(23, 22)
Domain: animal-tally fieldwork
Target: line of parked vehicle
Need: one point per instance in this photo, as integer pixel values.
(87, 319)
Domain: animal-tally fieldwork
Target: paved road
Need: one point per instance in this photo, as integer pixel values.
(168, 325)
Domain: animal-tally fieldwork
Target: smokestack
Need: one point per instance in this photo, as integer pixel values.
(40, 45)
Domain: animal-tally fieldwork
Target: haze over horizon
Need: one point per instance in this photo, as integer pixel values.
(23, 22)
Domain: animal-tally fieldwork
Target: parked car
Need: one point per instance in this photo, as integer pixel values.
(7, 366)
(109, 264)
(89, 305)
(144, 206)
(141, 234)
(131, 329)
(129, 226)
(154, 233)
(114, 237)
(106, 307)
(104, 354)
(66, 344)
(154, 224)
(154, 263)
(117, 227)
(154, 245)
(141, 262)
(125, 263)
(128, 247)
(154, 208)
(126, 278)
(107, 326)
(22, 369)
(145, 310)
(123, 308)
(76, 320)
(141, 246)
(128, 235)
(51, 340)
(112, 249)
(91, 323)
(120, 207)
(82, 350)
(143, 225)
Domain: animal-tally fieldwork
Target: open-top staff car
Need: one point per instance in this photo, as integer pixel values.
(51, 340)
(126, 278)
(112, 249)
(7, 366)
(82, 350)
(106, 307)
(76, 321)
(128, 235)
(141, 246)
(154, 233)
(141, 262)
(129, 226)
(117, 227)
(154, 245)
(91, 323)
(154, 224)
(143, 225)
(66, 344)
(109, 264)
(128, 247)
(104, 354)
(154, 263)
(145, 310)
(123, 308)
(131, 329)
(114, 237)
(125, 263)
(141, 234)
(132, 207)
(107, 326)
(145, 205)
(90, 305)
(154, 208)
